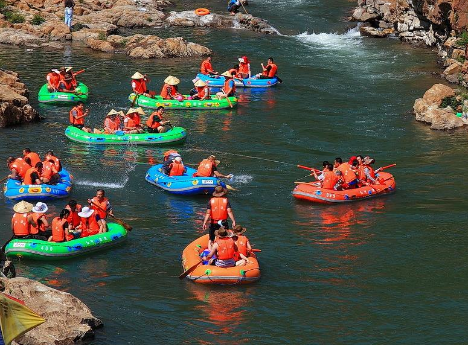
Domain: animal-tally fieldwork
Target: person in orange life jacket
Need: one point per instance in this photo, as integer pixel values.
(66, 85)
(328, 178)
(73, 218)
(77, 115)
(229, 88)
(111, 122)
(102, 206)
(139, 86)
(21, 220)
(170, 90)
(48, 172)
(18, 168)
(53, 80)
(269, 71)
(244, 67)
(156, 122)
(224, 247)
(33, 175)
(132, 121)
(39, 222)
(90, 222)
(60, 229)
(243, 245)
(348, 175)
(176, 168)
(33, 156)
(206, 68)
(209, 168)
(169, 157)
(201, 90)
(50, 156)
(366, 172)
(73, 75)
(217, 212)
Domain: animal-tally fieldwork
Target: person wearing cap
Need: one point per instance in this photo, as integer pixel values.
(176, 168)
(206, 67)
(244, 68)
(217, 212)
(60, 228)
(209, 168)
(366, 173)
(73, 218)
(243, 245)
(169, 89)
(139, 84)
(89, 222)
(18, 168)
(53, 80)
(112, 122)
(201, 91)
(33, 156)
(39, 222)
(224, 248)
(156, 122)
(348, 175)
(21, 220)
(77, 115)
(229, 87)
(132, 121)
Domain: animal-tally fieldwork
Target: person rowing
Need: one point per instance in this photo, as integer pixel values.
(229, 87)
(156, 122)
(328, 179)
(139, 86)
(209, 168)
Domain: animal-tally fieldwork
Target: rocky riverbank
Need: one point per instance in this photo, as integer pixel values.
(68, 320)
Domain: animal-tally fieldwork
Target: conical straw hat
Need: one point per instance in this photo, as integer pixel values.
(172, 80)
(138, 75)
(112, 112)
(200, 83)
(140, 111)
(23, 207)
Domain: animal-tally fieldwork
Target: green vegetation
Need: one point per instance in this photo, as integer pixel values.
(454, 102)
(14, 17)
(460, 59)
(2, 5)
(102, 36)
(149, 19)
(123, 42)
(37, 19)
(463, 39)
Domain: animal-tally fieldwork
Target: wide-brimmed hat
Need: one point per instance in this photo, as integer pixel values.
(138, 75)
(222, 232)
(227, 74)
(241, 59)
(368, 160)
(86, 212)
(23, 207)
(220, 191)
(140, 111)
(55, 70)
(200, 83)
(112, 112)
(171, 80)
(131, 111)
(239, 230)
(40, 207)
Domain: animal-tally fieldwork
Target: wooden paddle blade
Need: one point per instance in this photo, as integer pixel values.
(190, 270)
(125, 225)
(255, 250)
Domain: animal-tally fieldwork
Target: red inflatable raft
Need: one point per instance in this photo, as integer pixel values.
(311, 191)
(210, 274)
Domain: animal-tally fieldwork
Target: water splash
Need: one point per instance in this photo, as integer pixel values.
(110, 185)
(241, 179)
(348, 40)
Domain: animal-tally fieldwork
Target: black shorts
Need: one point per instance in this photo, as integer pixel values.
(79, 126)
(216, 226)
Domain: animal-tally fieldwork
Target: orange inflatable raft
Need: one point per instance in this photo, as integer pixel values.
(210, 274)
(311, 191)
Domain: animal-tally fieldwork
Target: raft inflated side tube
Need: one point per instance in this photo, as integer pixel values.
(202, 11)
(189, 104)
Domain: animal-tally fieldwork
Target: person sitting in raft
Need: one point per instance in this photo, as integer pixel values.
(156, 122)
(217, 211)
(101, 205)
(48, 173)
(33, 156)
(243, 245)
(366, 173)
(244, 68)
(33, 175)
(39, 222)
(269, 71)
(224, 247)
(139, 85)
(348, 175)
(233, 6)
(50, 156)
(132, 121)
(170, 90)
(168, 158)
(229, 87)
(176, 168)
(328, 179)
(206, 67)
(66, 85)
(73, 75)
(60, 229)
(209, 168)
(53, 80)
(112, 122)
(77, 115)
(201, 90)
(73, 218)
(20, 223)
(90, 223)
(18, 168)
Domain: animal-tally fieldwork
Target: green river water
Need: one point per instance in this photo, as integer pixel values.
(391, 270)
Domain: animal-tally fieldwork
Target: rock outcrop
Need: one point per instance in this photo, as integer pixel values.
(68, 320)
(428, 108)
(14, 104)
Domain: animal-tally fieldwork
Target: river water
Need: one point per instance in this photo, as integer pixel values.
(385, 271)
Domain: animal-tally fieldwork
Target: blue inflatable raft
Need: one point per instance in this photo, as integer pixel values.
(14, 190)
(185, 184)
(249, 82)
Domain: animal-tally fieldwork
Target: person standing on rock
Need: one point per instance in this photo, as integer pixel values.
(69, 5)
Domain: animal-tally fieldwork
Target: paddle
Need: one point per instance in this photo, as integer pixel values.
(190, 270)
(243, 7)
(118, 221)
(386, 167)
(307, 168)
(255, 250)
(227, 97)
(134, 100)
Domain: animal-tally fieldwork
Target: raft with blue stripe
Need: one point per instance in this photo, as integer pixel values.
(15, 190)
(186, 184)
(248, 82)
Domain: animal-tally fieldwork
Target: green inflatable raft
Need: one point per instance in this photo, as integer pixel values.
(189, 104)
(80, 94)
(44, 250)
(174, 135)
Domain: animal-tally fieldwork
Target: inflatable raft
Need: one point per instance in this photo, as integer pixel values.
(192, 104)
(185, 184)
(14, 190)
(176, 134)
(80, 94)
(248, 82)
(311, 191)
(43, 250)
(209, 274)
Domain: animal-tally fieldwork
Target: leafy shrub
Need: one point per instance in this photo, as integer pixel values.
(453, 102)
(37, 19)
(2, 4)
(102, 36)
(14, 17)
(463, 39)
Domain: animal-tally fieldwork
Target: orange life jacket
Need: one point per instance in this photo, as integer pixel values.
(361, 173)
(57, 164)
(27, 177)
(201, 91)
(111, 125)
(226, 248)
(330, 179)
(273, 70)
(244, 68)
(348, 174)
(75, 121)
(206, 67)
(89, 226)
(103, 204)
(139, 86)
(48, 169)
(74, 219)
(21, 226)
(66, 85)
(151, 123)
(227, 89)
(34, 157)
(205, 169)
(20, 166)
(177, 169)
(58, 233)
(165, 94)
(168, 153)
(218, 210)
(132, 122)
(53, 79)
(241, 244)
(39, 223)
